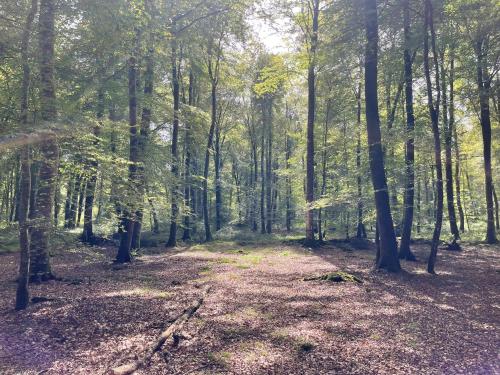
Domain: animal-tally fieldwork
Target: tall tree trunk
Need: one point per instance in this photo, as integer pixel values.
(404, 248)
(22, 293)
(172, 239)
(88, 229)
(206, 217)
(321, 230)
(269, 166)
(311, 108)
(128, 218)
(434, 115)
(483, 85)
(186, 235)
(388, 255)
(40, 233)
(453, 131)
(218, 180)
(450, 199)
(360, 228)
(262, 181)
(288, 182)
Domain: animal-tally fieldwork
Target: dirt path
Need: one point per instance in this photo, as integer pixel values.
(261, 316)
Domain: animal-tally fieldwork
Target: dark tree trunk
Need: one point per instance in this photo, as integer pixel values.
(81, 201)
(40, 233)
(388, 254)
(67, 204)
(74, 201)
(218, 182)
(206, 217)
(172, 239)
(88, 230)
(483, 85)
(495, 198)
(269, 163)
(360, 228)
(321, 230)
(22, 293)
(450, 199)
(288, 155)
(453, 130)
(128, 219)
(311, 108)
(262, 182)
(434, 115)
(404, 248)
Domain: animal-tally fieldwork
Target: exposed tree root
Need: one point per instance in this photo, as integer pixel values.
(173, 331)
(336, 277)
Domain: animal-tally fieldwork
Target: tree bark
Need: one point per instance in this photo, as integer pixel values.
(128, 219)
(88, 229)
(172, 239)
(360, 228)
(42, 228)
(404, 248)
(311, 108)
(483, 85)
(450, 199)
(186, 236)
(22, 292)
(434, 115)
(388, 254)
(453, 130)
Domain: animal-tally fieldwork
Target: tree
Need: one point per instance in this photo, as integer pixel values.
(387, 258)
(22, 293)
(404, 248)
(311, 108)
(42, 212)
(433, 107)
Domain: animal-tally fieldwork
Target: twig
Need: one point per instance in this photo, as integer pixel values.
(172, 331)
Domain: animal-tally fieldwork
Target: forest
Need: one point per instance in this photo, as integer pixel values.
(249, 186)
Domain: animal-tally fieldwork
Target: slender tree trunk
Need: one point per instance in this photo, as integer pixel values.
(311, 108)
(172, 239)
(495, 198)
(262, 180)
(22, 293)
(453, 131)
(360, 228)
(88, 229)
(483, 84)
(404, 249)
(218, 181)
(388, 254)
(288, 155)
(186, 236)
(323, 168)
(434, 115)
(128, 218)
(206, 217)
(450, 199)
(81, 201)
(269, 168)
(40, 233)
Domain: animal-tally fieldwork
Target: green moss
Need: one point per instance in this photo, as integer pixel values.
(336, 277)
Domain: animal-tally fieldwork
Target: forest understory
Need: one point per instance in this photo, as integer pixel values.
(261, 315)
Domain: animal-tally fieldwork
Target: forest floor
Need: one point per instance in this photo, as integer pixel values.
(261, 316)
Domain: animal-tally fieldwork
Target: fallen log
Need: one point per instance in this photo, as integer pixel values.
(171, 332)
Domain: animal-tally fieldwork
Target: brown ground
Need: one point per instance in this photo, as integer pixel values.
(261, 317)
